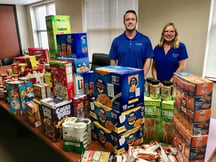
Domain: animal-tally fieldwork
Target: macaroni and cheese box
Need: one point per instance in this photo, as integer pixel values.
(56, 24)
(72, 45)
(54, 112)
(118, 87)
(117, 122)
(117, 143)
(62, 79)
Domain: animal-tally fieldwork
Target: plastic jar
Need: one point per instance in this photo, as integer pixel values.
(166, 90)
(147, 86)
(155, 89)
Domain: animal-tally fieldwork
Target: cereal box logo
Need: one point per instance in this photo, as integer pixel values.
(47, 112)
(63, 111)
(100, 85)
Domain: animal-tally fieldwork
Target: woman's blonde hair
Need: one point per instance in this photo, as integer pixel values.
(175, 41)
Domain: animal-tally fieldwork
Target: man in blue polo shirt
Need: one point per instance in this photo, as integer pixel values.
(131, 48)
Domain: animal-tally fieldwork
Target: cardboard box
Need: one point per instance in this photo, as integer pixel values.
(72, 45)
(121, 88)
(42, 55)
(33, 114)
(56, 24)
(117, 122)
(54, 112)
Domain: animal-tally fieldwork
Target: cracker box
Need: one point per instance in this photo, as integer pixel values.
(121, 88)
(56, 24)
(117, 143)
(17, 96)
(191, 147)
(166, 119)
(192, 85)
(62, 79)
(152, 118)
(80, 65)
(192, 127)
(54, 112)
(72, 45)
(33, 114)
(117, 122)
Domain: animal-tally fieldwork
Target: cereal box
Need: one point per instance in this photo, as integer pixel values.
(88, 83)
(56, 24)
(117, 122)
(72, 45)
(42, 90)
(33, 114)
(54, 112)
(191, 147)
(117, 143)
(118, 87)
(17, 96)
(62, 79)
(42, 55)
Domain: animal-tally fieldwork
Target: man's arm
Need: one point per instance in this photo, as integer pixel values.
(147, 65)
(112, 62)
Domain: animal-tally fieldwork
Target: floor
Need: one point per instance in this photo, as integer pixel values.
(17, 144)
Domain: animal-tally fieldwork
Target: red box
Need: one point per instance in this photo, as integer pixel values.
(42, 55)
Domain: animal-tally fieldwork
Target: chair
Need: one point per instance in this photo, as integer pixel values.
(99, 59)
(1, 63)
(7, 61)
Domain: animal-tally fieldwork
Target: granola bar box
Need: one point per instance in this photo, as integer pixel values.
(118, 87)
(54, 112)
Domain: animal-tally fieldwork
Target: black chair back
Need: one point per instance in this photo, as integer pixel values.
(7, 61)
(99, 59)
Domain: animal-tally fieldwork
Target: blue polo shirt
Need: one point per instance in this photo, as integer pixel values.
(131, 52)
(167, 64)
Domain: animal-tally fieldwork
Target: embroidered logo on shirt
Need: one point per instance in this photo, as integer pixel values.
(175, 54)
(138, 44)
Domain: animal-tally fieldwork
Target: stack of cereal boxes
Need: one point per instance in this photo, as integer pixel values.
(192, 115)
(56, 24)
(117, 112)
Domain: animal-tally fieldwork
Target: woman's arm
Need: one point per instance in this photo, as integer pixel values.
(154, 71)
(182, 65)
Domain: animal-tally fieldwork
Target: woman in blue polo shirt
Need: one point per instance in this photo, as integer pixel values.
(170, 55)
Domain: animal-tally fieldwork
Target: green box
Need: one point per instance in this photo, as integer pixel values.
(167, 111)
(152, 119)
(56, 24)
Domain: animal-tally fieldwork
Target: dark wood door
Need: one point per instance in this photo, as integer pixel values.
(10, 45)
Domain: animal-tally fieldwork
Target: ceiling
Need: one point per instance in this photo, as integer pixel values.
(18, 2)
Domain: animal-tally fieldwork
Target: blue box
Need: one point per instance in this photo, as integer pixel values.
(121, 88)
(72, 45)
(80, 65)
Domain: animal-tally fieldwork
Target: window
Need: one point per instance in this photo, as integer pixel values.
(104, 21)
(38, 14)
(210, 55)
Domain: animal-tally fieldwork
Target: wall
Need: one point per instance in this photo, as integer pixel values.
(74, 9)
(191, 19)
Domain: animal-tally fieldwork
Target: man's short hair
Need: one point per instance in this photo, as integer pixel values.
(130, 11)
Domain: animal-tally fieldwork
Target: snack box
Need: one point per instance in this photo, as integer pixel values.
(72, 45)
(80, 65)
(42, 55)
(166, 119)
(56, 24)
(191, 147)
(33, 114)
(78, 84)
(192, 85)
(62, 79)
(121, 88)
(29, 88)
(117, 122)
(194, 128)
(42, 90)
(16, 96)
(152, 118)
(54, 112)
(114, 142)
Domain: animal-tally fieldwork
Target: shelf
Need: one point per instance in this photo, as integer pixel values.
(57, 146)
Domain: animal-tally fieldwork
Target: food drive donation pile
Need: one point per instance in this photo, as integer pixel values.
(74, 104)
